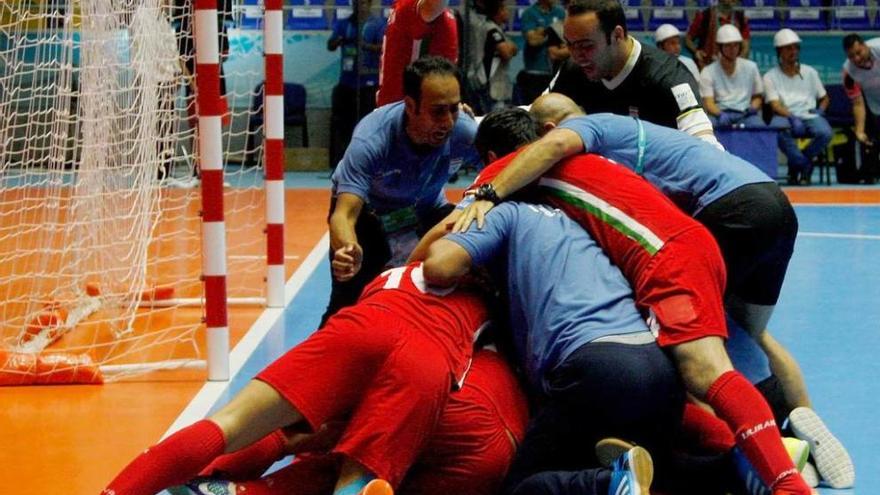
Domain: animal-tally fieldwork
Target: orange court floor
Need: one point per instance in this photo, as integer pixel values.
(73, 439)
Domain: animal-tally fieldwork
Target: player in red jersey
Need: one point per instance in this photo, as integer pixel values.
(412, 23)
(468, 454)
(388, 363)
(674, 266)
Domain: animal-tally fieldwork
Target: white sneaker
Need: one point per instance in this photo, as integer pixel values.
(810, 475)
(832, 460)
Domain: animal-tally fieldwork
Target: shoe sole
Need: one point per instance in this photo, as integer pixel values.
(643, 467)
(377, 487)
(832, 460)
(609, 449)
(798, 450)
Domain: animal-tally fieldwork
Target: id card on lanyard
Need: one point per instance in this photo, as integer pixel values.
(401, 232)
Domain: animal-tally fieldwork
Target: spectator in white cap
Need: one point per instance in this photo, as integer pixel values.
(798, 100)
(668, 39)
(731, 86)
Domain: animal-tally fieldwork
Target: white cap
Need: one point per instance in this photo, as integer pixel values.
(785, 37)
(664, 32)
(728, 33)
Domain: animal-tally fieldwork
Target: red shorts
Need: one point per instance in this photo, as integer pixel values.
(476, 440)
(468, 453)
(392, 381)
(683, 286)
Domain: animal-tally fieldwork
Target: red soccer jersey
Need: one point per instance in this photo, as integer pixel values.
(450, 317)
(629, 218)
(402, 44)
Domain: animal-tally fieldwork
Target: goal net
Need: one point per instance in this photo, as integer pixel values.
(100, 237)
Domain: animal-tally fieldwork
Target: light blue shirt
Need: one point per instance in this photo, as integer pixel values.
(562, 290)
(690, 171)
(535, 58)
(732, 92)
(381, 167)
(799, 94)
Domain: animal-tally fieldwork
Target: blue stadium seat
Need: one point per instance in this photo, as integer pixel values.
(702, 4)
(850, 15)
(341, 10)
(305, 16)
(762, 15)
(668, 12)
(805, 15)
(251, 15)
(635, 21)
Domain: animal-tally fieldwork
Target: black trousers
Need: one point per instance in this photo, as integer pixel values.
(755, 227)
(348, 106)
(377, 254)
(603, 389)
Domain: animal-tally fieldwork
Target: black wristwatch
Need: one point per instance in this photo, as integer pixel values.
(486, 192)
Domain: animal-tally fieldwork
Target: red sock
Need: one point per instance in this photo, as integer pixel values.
(250, 462)
(708, 431)
(171, 462)
(739, 403)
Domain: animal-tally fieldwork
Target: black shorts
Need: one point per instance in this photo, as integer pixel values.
(756, 228)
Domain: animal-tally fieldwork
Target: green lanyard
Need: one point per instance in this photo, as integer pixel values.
(643, 143)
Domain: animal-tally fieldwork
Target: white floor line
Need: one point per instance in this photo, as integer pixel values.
(209, 394)
(869, 237)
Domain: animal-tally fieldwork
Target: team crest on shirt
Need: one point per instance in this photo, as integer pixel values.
(455, 164)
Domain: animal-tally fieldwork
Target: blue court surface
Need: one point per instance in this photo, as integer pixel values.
(828, 317)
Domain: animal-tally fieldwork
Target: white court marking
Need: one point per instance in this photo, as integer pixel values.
(864, 237)
(211, 392)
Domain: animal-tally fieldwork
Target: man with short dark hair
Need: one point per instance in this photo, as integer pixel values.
(610, 71)
(389, 185)
(861, 79)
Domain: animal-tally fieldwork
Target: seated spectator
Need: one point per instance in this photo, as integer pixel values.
(702, 33)
(798, 99)
(487, 59)
(668, 39)
(537, 25)
(731, 86)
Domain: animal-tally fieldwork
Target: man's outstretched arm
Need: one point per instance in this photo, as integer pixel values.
(431, 9)
(446, 264)
(530, 164)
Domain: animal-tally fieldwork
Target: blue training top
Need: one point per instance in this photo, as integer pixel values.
(562, 290)
(690, 171)
(381, 167)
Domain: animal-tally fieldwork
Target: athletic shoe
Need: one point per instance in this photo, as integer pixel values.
(204, 486)
(631, 473)
(798, 450)
(377, 487)
(609, 449)
(810, 475)
(832, 460)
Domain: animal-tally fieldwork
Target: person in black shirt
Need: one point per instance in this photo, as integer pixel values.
(610, 71)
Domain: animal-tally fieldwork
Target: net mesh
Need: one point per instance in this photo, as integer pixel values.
(100, 245)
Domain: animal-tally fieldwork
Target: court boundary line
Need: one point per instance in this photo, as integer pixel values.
(211, 392)
(833, 235)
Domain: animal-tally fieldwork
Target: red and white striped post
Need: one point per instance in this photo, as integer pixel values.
(273, 151)
(207, 49)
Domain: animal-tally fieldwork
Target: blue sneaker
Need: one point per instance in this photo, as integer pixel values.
(204, 486)
(632, 473)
